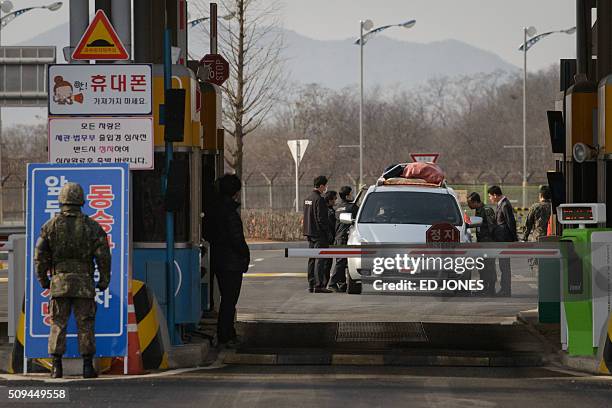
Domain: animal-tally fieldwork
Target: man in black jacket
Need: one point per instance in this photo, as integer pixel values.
(504, 231)
(230, 254)
(337, 281)
(316, 230)
(330, 199)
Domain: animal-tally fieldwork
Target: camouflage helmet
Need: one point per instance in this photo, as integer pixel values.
(71, 194)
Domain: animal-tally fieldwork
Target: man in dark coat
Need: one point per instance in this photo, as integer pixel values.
(230, 255)
(316, 230)
(69, 244)
(337, 281)
(330, 199)
(504, 231)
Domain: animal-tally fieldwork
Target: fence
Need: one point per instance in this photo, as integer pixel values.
(280, 195)
(12, 204)
(268, 208)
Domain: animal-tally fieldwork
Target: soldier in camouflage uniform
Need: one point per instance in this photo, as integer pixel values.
(536, 222)
(68, 245)
(484, 233)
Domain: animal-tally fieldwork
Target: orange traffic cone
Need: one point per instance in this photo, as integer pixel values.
(134, 357)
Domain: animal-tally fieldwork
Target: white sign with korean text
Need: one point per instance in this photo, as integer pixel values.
(100, 89)
(102, 140)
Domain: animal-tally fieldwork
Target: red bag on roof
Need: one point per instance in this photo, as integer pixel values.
(428, 172)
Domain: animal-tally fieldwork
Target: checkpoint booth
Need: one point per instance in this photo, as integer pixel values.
(586, 290)
(197, 162)
(149, 229)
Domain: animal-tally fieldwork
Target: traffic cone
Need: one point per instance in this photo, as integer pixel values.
(134, 363)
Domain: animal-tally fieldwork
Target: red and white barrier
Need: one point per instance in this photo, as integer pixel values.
(514, 250)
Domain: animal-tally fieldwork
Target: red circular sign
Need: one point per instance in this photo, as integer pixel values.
(442, 232)
(218, 68)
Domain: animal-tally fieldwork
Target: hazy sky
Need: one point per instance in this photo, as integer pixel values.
(494, 25)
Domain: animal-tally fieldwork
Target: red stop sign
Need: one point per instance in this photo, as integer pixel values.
(218, 68)
(442, 232)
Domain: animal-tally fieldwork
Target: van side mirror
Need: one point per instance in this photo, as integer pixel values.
(346, 218)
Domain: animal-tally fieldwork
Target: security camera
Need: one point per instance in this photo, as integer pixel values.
(583, 152)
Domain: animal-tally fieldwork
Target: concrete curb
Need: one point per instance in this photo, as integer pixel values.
(530, 360)
(188, 355)
(266, 246)
(579, 363)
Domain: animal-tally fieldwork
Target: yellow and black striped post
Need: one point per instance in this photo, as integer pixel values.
(154, 357)
(16, 363)
(605, 350)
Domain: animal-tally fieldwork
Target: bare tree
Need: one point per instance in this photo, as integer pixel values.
(22, 144)
(252, 42)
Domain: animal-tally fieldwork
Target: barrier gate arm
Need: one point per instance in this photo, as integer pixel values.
(420, 250)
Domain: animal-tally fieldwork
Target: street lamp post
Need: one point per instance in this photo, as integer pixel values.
(527, 31)
(365, 32)
(530, 32)
(195, 22)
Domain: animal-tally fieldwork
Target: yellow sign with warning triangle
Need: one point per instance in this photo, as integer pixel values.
(100, 41)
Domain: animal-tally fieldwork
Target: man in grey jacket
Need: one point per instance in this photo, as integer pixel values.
(504, 231)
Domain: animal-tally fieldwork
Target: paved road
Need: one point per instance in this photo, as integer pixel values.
(275, 289)
(313, 386)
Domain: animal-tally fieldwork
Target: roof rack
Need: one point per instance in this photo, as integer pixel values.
(400, 181)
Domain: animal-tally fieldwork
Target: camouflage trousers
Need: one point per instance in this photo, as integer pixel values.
(85, 316)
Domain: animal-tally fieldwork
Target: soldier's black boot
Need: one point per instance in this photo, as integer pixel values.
(88, 368)
(56, 370)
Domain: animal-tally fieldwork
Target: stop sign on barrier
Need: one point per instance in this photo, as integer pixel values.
(442, 232)
(218, 68)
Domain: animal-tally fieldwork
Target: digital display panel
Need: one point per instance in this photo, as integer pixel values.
(577, 214)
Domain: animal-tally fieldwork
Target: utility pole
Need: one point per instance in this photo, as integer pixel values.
(525, 117)
(167, 53)
(361, 23)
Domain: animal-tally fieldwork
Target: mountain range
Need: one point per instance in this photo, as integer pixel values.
(335, 63)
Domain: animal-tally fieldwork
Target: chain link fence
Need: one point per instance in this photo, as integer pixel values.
(268, 210)
(280, 193)
(12, 204)
(269, 207)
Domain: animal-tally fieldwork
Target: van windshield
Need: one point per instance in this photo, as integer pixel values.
(410, 207)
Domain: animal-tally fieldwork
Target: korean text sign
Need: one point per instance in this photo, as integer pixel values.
(100, 89)
(102, 140)
(106, 189)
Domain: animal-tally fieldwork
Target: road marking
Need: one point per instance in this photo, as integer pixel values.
(251, 265)
(523, 278)
(259, 259)
(533, 285)
(276, 275)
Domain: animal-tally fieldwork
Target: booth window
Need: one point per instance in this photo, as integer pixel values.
(148, 210)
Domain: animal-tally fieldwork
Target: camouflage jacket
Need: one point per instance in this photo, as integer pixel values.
(68, 245)
(536, 222)
(484, 233)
